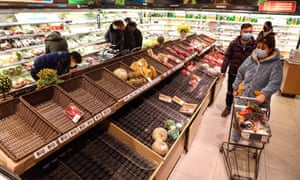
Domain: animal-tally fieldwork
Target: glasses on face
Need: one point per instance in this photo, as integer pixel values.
(247, 31)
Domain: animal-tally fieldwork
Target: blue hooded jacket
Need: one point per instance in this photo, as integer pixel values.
(264, 76)
(59, 61)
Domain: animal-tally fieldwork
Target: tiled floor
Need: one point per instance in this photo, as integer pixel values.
(280, 159)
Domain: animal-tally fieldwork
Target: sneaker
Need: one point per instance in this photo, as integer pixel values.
(226, 112)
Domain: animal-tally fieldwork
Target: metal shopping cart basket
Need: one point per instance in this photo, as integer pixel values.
(249, 131)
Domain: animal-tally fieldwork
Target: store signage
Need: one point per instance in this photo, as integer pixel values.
(28, 1)
(278, 6)
(78, 1)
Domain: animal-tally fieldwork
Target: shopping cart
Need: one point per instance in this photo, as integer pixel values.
(249, 131)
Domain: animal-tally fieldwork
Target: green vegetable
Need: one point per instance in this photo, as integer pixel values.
(169, 123)
(5, 84)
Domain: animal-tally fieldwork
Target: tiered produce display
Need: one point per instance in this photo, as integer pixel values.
(137, 114)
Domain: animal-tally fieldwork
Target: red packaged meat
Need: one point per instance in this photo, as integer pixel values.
(73, 112)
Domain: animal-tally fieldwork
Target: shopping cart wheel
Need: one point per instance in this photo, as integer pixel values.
(221, 149)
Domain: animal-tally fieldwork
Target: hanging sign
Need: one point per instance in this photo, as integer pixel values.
(278, 6)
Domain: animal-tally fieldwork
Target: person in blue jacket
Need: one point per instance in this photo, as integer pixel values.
(60, 61)
(261, 73)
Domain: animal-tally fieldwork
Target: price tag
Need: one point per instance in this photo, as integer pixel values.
(44, 150)
(74, 131)
(106, 112)
(52, 145)
(245, 135)
(63, 138)
(126, 98)
(89, 122)
(41, 152)
(155, 81)
(82, 126)
(165, 74)
(97, 117)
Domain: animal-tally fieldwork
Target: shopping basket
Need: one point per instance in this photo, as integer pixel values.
(250, 124)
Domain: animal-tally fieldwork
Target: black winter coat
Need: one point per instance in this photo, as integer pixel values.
(114, 36)
(138, 38)
(55, 43)
(236, 54)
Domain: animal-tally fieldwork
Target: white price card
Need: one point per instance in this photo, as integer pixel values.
(74, 131)
(82, 127)
(63, 138)
(98, 117)
(52, 145)
(41, 152)
(45, 149)
(245, 135)
(156, 80)
(89, 122)
(106, 112)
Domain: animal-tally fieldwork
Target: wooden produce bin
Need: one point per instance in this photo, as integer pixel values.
(104, 152)
(291, 82)
(195, 121)
(215, 89)
(22, 133)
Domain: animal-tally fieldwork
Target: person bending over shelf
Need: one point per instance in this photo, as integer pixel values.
(54, 42)
(115, 34)
(60, 61)
(239, 49)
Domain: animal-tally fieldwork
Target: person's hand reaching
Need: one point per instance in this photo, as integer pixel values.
(260, 98)
(234, 93)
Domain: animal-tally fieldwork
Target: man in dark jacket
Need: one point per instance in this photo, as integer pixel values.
(115, 34)
(60, 61)
(54, 42)
(138, 37)
(239, 49)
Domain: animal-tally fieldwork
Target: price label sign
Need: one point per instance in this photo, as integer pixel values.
(52, 145)
(82, 127)
(89, 122)
(74, 131)
(97, 117)
(106, 112)
(245, 135)
(44, 150)
(64, 138)
(40, 153)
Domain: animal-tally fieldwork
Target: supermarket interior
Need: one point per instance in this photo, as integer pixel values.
(106, 109)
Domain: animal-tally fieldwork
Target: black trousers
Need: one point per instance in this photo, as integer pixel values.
(229, 96)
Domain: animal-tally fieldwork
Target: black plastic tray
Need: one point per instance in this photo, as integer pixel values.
(140, 117)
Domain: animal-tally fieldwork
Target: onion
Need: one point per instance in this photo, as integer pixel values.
(160, 147)
(160, 133)
(121, 73)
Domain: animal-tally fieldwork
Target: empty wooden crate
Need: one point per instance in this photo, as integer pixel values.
(88, 94)
(51, 103)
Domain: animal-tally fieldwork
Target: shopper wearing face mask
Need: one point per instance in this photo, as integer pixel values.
(261, 73)
(239, 49)
(267, 29)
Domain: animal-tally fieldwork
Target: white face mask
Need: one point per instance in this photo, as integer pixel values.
(246, 36)
(260, 53)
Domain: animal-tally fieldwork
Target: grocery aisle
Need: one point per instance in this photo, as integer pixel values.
(280, 159)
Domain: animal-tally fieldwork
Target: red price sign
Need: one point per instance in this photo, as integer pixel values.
(278, 6)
